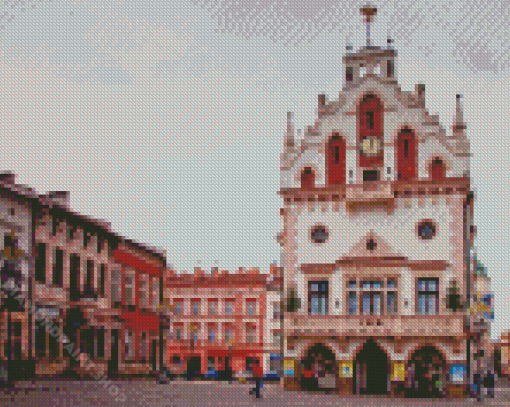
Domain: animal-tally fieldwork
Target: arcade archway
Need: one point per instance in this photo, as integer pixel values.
(371, 370)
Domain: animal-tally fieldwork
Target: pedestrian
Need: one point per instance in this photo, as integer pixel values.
(257, 375)
(489, 384)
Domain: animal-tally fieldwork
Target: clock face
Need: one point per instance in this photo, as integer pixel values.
(370, 146)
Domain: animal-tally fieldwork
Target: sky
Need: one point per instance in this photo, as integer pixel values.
(166, 118)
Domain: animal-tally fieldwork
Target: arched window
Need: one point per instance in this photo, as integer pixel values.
(406, 155)
(437, 169)
(335, 160)
(307, 178)
(370, 125)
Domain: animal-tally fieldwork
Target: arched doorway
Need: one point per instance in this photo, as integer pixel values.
(371, 371)
(74, 322)
(319, 369)
(429, 372)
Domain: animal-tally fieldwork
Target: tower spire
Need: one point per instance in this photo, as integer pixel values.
(289, 134)
(369, 12)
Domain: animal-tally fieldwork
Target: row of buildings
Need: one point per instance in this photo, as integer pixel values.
(79, 299)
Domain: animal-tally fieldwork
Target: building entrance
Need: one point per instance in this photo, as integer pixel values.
(371, 370)
(319, 369)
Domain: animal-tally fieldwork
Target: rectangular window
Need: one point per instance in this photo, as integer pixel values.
(54, 226)
(211, 335)
(155, 294)
(116, 287)
(318, 296)
(391, 306)
(352, 284)
(250, 335)
(128, 355)
(389, 68)
(370, 175)
(228, 335)
(229, 305)
(370, 120)
(129, 290)
(177, 307)
(143, 340)
(89, 287)
(337, 154)
(251, 308)
(371, 303)
(54, 341)
(58, 268)
(40, 262)
(100, 243)
(40, 338)
(428, 296)
(100, 343)
(143, 293)
(349, 74)
(86, 238)
(195, 305)
(102, 278)
(352, 303)
(74, 277)
(178, 334)
(212, 307)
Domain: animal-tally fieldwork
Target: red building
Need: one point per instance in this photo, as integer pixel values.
(216, 321)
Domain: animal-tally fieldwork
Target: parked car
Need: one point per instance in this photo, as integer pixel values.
(211, 374)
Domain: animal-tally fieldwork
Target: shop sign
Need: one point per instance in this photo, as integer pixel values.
(399, 372)
(346, 369)
(457, 372)
(288, 367)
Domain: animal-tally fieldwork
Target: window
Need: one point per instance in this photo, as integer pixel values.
(277, 311)
(349, 74)
(211, 334)
(178, 334)
(100, 343)
(406, 155)
(100, 243)
(228, 334)
(352, 303)
(116, 286)
(40, 262)
(250, 334)
(426, 230)
(371, 304)
(437, 169)
(277, 339)
(335, 160)
(352, 284)
(210, 363)
(307, 178)
(370, 120)
(102, 278)
(155, 293)
(71, 232)
(213, 307)
(89, 288)
(319, 234)
(54, 226)
(58, 268)
(251, 307)
(391, 303)
(371, 245)
(318, 297)
(195, 306)
(40, 338)
(178, 307)
(428, 296)
(389, 68)
(370, 175)
(229, 306)
(129, 290)
(390, 284)
(128, 346)
(143, 340)
(74, 277)
(143, 293)
(54, 341)
(86, 238)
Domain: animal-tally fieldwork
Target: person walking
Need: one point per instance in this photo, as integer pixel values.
(257, 375)
(489, 383)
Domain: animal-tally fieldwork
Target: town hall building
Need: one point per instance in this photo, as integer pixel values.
(377, 223)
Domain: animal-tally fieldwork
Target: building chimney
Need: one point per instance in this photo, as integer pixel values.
(8, 178)
(61, 198)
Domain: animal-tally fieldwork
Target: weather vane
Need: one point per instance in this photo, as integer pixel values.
(369, 13)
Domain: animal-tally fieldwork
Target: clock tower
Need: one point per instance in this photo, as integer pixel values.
(376, 221)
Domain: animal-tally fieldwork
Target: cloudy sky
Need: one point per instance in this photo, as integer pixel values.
(166, 118)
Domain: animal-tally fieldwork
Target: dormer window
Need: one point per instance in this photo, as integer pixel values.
(389, 68)
(349, 74)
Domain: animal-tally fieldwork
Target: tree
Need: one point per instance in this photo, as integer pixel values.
(454, 299)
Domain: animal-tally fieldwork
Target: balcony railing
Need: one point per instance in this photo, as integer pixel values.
(394, 325)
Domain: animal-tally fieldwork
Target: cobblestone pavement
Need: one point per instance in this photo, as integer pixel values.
(150, 393)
